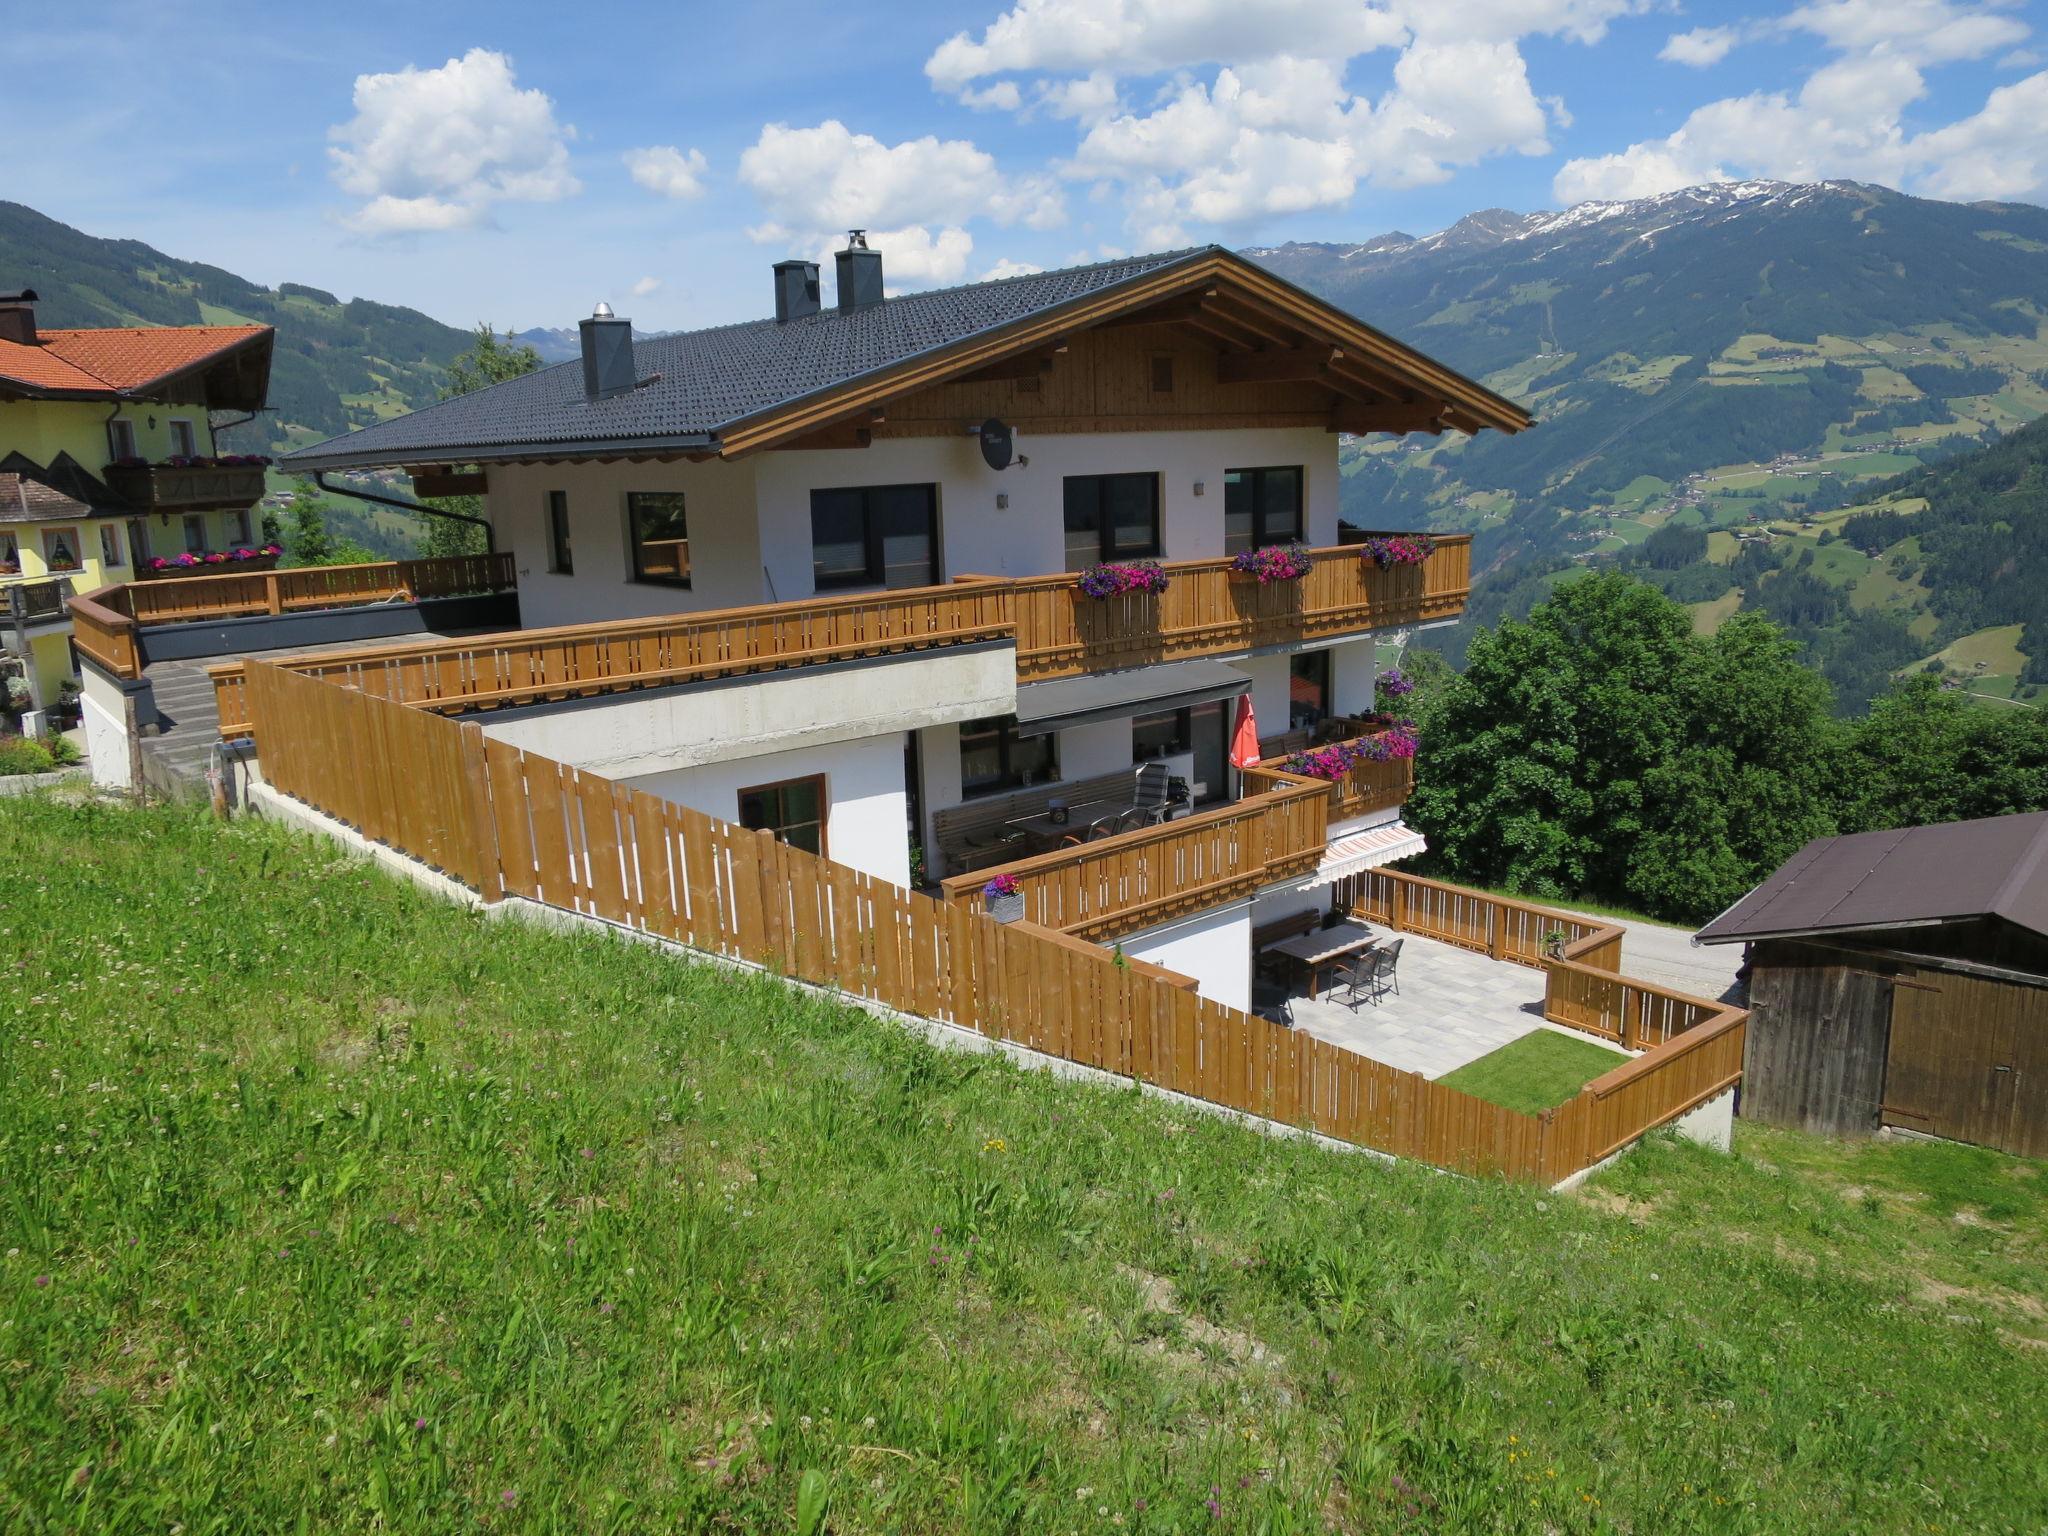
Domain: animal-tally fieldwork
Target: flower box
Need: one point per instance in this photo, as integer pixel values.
(1116, 578)
(1274, 563)
(213, 562)
(1003, 899)
(1389, 550)
(1340, 757)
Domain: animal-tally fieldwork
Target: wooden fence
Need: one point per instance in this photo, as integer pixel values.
(508, 822)
(1208, 609)
(530, 666)
(1581, 957)
(103, 632)
(1134, 880)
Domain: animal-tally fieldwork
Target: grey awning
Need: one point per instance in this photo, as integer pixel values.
(1045, 707)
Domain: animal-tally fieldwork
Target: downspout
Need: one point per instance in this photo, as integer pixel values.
(490, 543)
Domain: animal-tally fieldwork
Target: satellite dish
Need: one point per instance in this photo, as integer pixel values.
(995, 444)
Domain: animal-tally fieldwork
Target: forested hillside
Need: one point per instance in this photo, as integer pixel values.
(1705, 366)
(338, 365)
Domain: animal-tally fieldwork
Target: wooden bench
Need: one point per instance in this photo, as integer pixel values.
(976, 833)
(1266, 935)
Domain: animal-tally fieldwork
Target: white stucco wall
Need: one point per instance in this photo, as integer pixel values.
(1354, 672)
(864, 790)
(1269, 677)
(750, 521)
(725, 549)
(1214, 947)
(102, 712)
(638, 733)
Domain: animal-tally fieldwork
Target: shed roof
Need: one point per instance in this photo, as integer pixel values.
(61, 492)
(737, 387)
(1950, 872)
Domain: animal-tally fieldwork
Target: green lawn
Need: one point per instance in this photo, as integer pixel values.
(327, 1207)
(1536, 1072)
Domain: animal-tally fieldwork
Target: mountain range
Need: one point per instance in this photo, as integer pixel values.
(1749, 359)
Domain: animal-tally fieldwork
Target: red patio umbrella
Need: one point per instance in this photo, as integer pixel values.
(1244, 735)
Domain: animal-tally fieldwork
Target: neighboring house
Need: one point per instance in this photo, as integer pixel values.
(819, 574)
(107, 462)
(1901, 979)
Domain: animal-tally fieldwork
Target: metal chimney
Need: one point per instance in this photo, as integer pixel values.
(796, 289)
(607, 355)
(18, 317)
(859, 271)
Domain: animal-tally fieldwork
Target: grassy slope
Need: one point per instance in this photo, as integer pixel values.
(325, 1205)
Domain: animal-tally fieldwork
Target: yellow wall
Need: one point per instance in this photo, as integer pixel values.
(44, 428)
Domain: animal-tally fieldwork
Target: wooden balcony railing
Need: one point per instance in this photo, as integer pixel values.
(1135, 880)
(1368, 786)
(186, 488)
(253, 594)
(532, 666)
(1208, 609)
(103, 632)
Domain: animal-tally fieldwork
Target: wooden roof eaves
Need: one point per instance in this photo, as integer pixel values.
(1465, 400)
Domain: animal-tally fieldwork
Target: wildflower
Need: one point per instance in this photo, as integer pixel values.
(995, 1144)
(509, 1497)
(419, 1423)
(42, 1280)
(588, 1153)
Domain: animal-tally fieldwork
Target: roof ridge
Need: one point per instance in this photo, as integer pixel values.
(2024, 868)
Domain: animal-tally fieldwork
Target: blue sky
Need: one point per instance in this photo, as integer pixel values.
(513, 163)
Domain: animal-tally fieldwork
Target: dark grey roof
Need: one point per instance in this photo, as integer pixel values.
(1997, 867)
(712, 378)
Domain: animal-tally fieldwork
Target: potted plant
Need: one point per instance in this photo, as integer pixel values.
(1275, 562)
(1553, 943)
(1114, 578)
(1003, 899)
(1392, 549)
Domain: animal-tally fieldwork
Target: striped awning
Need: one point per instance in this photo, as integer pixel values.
(1365, 850)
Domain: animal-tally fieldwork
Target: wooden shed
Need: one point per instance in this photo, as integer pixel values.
(1901, 979)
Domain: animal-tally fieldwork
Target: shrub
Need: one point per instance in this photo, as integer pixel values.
(19, 755)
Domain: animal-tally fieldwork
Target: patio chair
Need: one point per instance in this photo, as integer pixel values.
(1390, 980)
(1361, 976)
(1100, 827)
(1152, 794)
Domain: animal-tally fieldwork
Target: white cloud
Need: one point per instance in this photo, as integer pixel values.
(435, 149)
(664, 169)
(917, 257)
(1848, 118)
(1275, 128)
(645, 286)
(815, 182)
(1008, 268)
(1701, 47)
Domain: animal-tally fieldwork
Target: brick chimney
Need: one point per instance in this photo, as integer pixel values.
(18, 317)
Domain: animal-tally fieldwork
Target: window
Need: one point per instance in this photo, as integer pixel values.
(660, 536)
(110, 544)
(1308, 689)
(875, 536)
(10, 554)
(1260, 507)
(1159, 735)
(558, 534)
(238, 526)
(993, 757)
(184, 441)
(120, 440)
(60, 549)
(1162, 374)
(1198, 732)
(195, 533)
(138, 539)
(793, 810)
(1111, 517)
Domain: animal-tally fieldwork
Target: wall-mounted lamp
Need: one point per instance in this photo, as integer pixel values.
(1198, 487)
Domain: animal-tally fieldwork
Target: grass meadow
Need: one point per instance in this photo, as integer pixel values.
(326, 1207)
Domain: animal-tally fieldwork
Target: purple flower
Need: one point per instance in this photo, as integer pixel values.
(588, 1153)
(1276, 562)
(1113, 578)
(1001, 885)
(41, 1281)
(419, 1423)
(509, 1497)
(1394, 685)
(1389, 549)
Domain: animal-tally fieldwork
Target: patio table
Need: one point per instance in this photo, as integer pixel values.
(1042, 829)
(1316, 951)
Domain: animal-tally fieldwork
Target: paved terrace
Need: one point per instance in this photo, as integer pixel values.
(1454, 1006)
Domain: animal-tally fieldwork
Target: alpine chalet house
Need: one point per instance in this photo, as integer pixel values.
(923, 582)
(108, 471)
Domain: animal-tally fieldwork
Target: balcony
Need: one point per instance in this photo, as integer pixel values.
(1208, 609)
(1118, 885)
(1366, 785)
(187, 487)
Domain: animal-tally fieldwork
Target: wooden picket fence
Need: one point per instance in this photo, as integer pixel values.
(511, 823)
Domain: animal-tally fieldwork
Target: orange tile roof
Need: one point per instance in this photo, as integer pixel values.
(118, 361)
